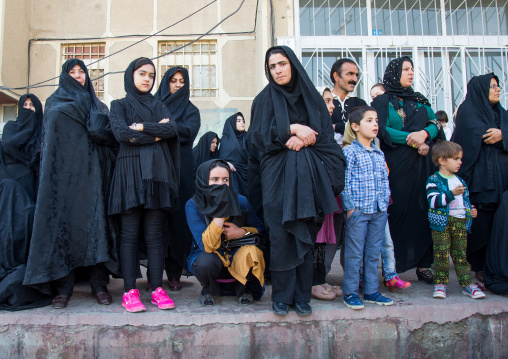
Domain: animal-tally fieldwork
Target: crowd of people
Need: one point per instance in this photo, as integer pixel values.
(88, 192)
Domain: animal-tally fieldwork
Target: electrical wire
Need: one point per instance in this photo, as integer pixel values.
(40, 84)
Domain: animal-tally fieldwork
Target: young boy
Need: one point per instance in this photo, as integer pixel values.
(365, 198)
(450, 217)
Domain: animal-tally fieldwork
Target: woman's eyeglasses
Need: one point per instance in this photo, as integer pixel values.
(496, 87)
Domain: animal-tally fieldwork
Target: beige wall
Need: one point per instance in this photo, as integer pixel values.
(240, 69)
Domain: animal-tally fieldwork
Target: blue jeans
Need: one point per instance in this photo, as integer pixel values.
(388, 256)
(364, 237)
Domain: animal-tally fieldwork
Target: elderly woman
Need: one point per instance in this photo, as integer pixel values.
(482, 131)
(407, 128)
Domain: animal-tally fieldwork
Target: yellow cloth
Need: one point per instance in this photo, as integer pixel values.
(246, 257)
(349, 135)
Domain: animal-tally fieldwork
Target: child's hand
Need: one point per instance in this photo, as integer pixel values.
(474, 212)
(458, 190)
(349, 213)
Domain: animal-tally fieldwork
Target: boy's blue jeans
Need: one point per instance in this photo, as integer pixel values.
(364, 236)
(387, 255)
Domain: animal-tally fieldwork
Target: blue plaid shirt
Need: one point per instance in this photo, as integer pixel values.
(367, 189)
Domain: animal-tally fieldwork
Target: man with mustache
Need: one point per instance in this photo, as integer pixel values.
(344, 75)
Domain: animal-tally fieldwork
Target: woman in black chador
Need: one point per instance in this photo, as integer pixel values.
(145, 182)
(407, 131)
(206, 149)
(21, 145)
(302, 170)
(16, 219)
(482, 131)
(71, 229)
(174, 92)
(233, 149)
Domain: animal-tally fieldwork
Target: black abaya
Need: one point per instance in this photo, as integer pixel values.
(16, 219)
(233, 149)
(188, 121)
(484, 167)
(495, 270)
(71, 228)
(21, 145)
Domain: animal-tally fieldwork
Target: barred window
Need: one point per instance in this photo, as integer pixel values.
(89, 53)
(200, 59)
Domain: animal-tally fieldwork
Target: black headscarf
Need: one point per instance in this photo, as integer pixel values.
(183, 112)
(154, 163)
(474, 117)
(416, 119)
(214, 201)
(21, 139)
(303, 184)
(202, 151)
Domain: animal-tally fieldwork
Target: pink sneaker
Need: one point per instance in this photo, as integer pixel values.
(396, 283)
(161, 299)
(131, 302)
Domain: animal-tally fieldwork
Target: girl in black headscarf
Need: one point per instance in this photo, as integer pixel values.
(302, 170)
(174, 92)
(482, 131)
(233, 149)
(71, 229)
(206, 149)
(21, 145)
(145, 181)
(216, 213)
(407, 129)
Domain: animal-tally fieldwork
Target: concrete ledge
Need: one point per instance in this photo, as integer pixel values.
(417, 326)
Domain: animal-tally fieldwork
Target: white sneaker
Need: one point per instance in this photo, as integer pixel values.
(473, 291)
(439, 291)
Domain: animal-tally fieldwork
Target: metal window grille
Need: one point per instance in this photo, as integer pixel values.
(88, 52)
(200, 59)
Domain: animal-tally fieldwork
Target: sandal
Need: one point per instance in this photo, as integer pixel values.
(335, 288)
(319, 292)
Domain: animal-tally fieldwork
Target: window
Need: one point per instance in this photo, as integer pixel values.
(89, 53)
(9, 112)
(475, 17)
(200, 59)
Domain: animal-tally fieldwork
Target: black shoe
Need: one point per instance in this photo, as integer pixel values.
(303, 308)
(245, 298)
(206, 300)
(280, 308)
(425, 275)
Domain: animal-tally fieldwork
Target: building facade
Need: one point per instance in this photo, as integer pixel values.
(449, 41)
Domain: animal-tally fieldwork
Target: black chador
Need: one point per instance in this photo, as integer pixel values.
(202, 152)
(21, 145)
(71, 228)
(188, 121)
(298, 187)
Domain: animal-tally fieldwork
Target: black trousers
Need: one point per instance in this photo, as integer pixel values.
(478, 239)
(131, 223)
(208, 268)
(294, 285)
(99, 280)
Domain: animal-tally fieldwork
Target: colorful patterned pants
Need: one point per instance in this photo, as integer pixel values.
(453, 240)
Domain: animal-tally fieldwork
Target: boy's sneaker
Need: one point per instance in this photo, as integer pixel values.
(161, 299)
(439, 291)
(132, 303)
(353, 301)
(377, 298)
(396, 283)
(473, 291)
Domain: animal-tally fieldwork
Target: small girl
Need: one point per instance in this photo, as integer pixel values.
(145, 181)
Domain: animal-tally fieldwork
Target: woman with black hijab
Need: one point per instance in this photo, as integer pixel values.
(482, 131)
(16, 220)
(496, 266)
(145, 181)
(233, 149)
(407, 130)
(302, 170)
(216, 214)
(21, 145)
(174, 92)
(206, 149)
(71, 229)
